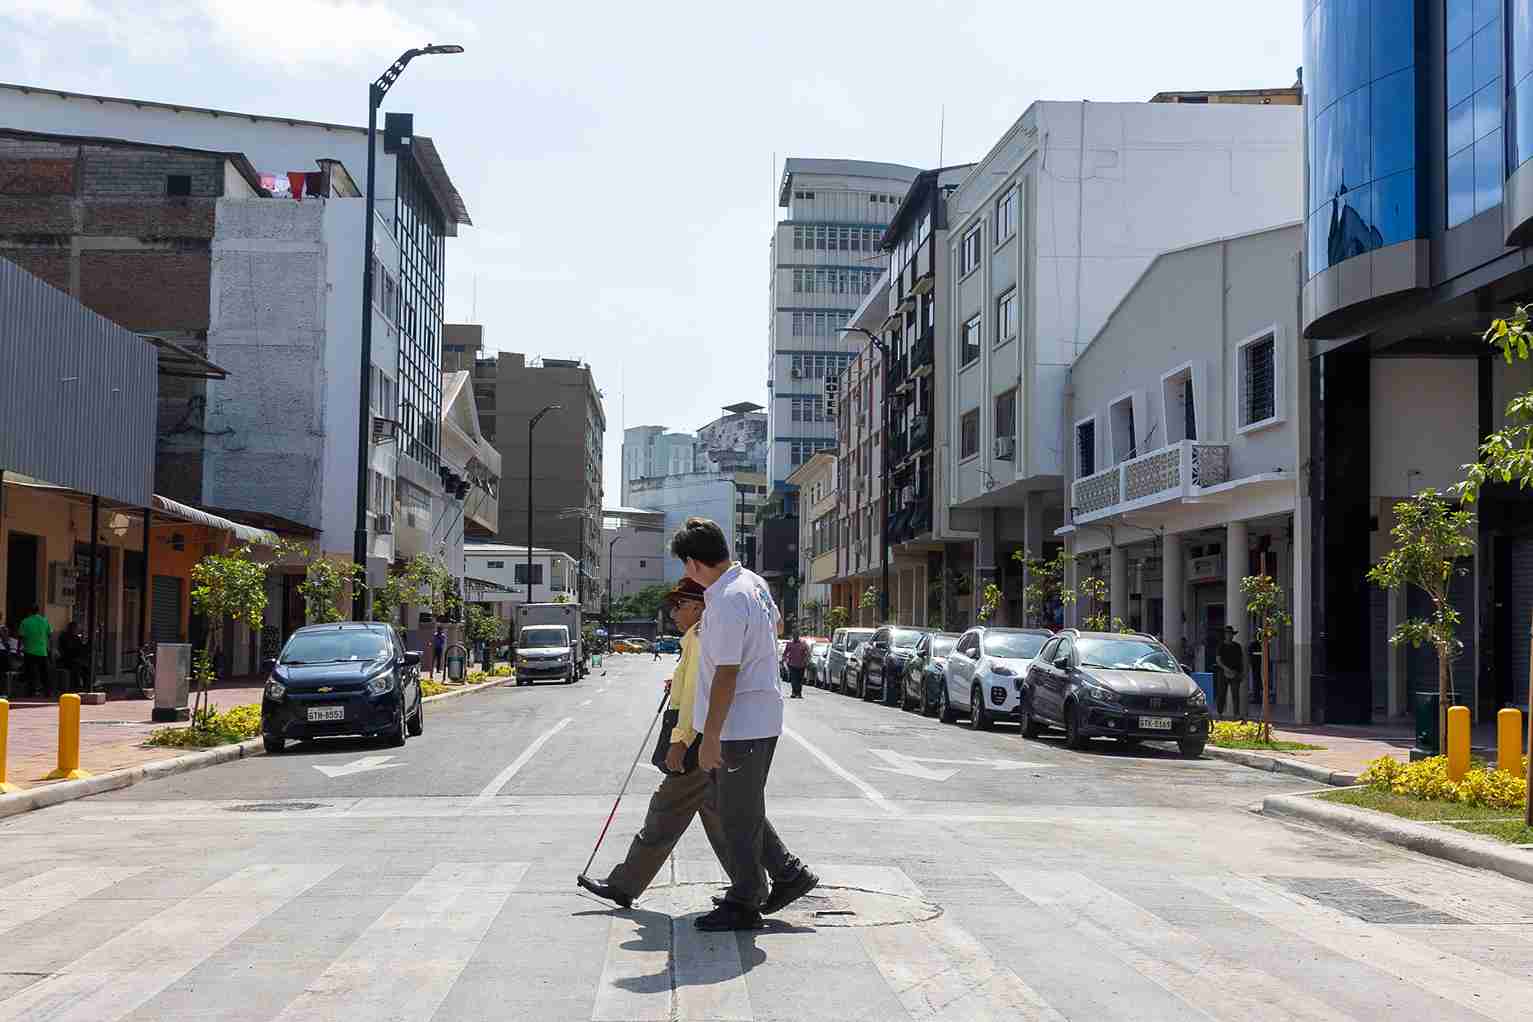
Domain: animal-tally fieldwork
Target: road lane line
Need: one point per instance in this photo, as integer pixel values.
(35, 897)
(405, 963)
(635, 983)
(116, 978)
(707, 970)
(501, 779)
(1175, 960)
(869, 792)
(1479, 988)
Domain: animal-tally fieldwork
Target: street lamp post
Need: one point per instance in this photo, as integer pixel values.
(532, 424)
(883, 525)
(375, 93)
(610, 544)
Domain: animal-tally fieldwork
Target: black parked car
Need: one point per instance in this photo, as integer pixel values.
(924, 674)
(884, 659)
(1127, 687)
(342, 679)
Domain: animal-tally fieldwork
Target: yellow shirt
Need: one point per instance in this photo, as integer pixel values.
(683, 687)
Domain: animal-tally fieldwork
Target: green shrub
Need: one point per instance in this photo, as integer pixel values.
(501, 671)
(1483, 785)
(209, 728)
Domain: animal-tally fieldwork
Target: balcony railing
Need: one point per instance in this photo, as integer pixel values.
(899, 444)
(921, 354)
(1169, 473)
(899, 370)
(920, 432)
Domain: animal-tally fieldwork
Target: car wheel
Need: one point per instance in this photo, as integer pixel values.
(927, 708)
(1029, 726)
(979, 720)
(894, 689)
(1191, 750)
(944, 707)
(273, 744)
(862, 687)
(418, 722)
(398, 735)
(569, 679)
(1073, 737)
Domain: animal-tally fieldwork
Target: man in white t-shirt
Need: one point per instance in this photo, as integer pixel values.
(738, 706)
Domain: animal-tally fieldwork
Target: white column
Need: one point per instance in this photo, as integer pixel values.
(1172, 590)
(1072, 583)
(1237, 560)
(1118, 584)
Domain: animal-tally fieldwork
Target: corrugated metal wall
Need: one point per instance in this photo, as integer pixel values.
(77, 393)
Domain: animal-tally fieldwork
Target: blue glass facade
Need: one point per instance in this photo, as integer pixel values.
(1520, 119)
(1476, 145)
(1360, 103)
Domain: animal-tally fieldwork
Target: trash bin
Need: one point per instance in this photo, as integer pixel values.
(1425, 706)
(457, 660)
(172, 682)
(1205, 681)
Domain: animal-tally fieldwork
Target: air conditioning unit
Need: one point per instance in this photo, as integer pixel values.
(383, 524)
(1005, 448)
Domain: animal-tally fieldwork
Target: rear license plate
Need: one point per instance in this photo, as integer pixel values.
(318, 713)
(1145, 723)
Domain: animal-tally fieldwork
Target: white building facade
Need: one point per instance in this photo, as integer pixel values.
(1048, 233)
(495, 575)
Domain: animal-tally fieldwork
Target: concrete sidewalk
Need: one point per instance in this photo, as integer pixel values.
(111, 735)
(1347, 750)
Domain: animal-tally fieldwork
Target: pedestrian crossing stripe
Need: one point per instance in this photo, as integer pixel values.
(404, 962)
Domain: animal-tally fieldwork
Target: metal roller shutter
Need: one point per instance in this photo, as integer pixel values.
(1522, 613)
(165, 611)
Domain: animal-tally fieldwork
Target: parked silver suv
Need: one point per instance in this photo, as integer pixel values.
(843, 644)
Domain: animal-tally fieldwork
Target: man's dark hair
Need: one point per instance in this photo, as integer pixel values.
(700, 540)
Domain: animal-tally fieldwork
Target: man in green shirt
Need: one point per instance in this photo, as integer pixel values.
(36, 640)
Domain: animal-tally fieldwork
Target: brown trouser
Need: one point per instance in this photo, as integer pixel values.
(671, 808)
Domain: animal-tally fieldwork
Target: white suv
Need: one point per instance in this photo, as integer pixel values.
(984, 672)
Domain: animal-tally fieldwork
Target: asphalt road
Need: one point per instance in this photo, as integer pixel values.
(966, 876)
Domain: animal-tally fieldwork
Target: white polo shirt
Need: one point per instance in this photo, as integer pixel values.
(739, 626)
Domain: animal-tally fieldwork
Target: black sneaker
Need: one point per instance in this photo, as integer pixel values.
(786, 893)
(729, 916)
(602, 889)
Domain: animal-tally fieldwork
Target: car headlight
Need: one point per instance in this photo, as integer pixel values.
(1102, 695)
(275, 689)
(1197, 698)
(378, 684)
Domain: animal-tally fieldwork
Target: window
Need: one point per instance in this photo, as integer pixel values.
(968, 429)
(1085, 448)
(1006, 415)
(1006, 317)
(1120, 420)
(1474, 93)
(809, 408)
(178, 184)
(1259, 381)
(929, 313)
(968, 350)
(968, 254)
(1178, 405)
(494, 564)
(521, 573)
(1006, 216)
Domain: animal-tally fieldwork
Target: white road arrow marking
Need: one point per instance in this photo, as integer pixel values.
(901, 764)
(359, 766)
(997, 764)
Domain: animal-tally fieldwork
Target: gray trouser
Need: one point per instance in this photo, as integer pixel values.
(738, 790)
(671, 809)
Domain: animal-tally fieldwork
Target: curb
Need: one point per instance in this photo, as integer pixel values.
(1418, 837)
(1279, 765)
(67, 791)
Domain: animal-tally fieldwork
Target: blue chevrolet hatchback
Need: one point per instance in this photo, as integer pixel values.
(352, 678)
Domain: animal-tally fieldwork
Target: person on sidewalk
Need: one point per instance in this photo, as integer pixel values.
(739, 704)
(1230, 674)
(74, 657)
(681, 795)
(438, 651)
(797, 658)
(36, 646)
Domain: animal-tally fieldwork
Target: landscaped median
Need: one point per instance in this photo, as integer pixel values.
(1476, 821)
(223, 736)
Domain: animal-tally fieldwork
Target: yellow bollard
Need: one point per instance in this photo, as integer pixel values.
(69, 740)
(1458, 742)
(1509, 741)
(5, 735)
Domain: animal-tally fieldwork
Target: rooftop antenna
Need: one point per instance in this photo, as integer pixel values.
(941, 134)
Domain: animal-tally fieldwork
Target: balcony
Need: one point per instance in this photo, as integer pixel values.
(899, 371)
(921, 357)
(920, 433)
(1177, 472)
(899, 444)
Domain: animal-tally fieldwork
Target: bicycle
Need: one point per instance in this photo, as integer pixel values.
(143, 674)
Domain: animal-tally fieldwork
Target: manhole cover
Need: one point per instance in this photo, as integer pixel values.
(1366, 902)
(825, 906)
(277, 807)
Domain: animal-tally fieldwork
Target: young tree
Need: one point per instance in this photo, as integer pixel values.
(837, 617)
(1093, 589)
(481, 625)
(225, 587)
(1430, 536)
(324, 581)
(1266, 604)
(990, 601)
(1506, 457)
(1045, 587)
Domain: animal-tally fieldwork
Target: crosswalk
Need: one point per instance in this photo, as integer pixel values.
(138, 943)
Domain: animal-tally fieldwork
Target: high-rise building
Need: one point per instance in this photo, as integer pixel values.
(825, 258)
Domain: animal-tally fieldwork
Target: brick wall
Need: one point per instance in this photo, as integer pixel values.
(50, 263)
(118, 171)
(147, 289)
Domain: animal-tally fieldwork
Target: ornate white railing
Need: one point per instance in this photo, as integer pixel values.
(1095, 493)
(1168, 473)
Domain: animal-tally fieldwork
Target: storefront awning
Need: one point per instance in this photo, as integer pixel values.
(244, 533)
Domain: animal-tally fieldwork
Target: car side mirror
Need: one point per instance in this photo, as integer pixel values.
(412, 658)
(269, 664)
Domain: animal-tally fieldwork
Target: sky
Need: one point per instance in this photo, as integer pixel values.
(617, 158)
